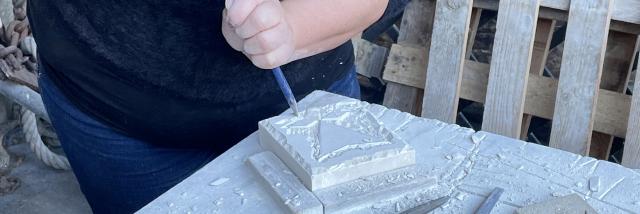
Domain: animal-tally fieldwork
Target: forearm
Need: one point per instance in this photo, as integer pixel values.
(321, 25)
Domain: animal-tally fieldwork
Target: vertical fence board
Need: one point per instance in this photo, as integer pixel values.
(631, 153)
(509, 71)
(582, 61)
(447, 54)
(415, 30)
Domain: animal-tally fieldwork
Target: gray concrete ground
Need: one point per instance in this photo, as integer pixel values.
(42, 189)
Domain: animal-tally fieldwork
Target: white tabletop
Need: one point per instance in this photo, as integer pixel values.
(466, 164)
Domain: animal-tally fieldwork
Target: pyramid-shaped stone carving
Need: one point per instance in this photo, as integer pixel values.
(334, 143)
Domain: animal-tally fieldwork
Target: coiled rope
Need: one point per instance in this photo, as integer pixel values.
(14, 60)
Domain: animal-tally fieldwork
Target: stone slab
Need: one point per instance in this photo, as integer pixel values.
(284, 185)
(336, 140)
(465, 164)
(390, 192)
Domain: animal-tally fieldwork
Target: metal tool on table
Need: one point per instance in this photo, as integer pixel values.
(286, 90)
(491, 201)
(428, 207)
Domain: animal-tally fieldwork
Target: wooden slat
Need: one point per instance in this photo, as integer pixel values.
(544, 33)
(444, 70)
(404, 66)
(417, 23)
(580, 73)
(618, 61)
(562, 15)
(631, 153)
(623, 10)
(473, 30)
(415, 30)
(617, 67)
(634, 55)
(511, 58)
(402, 97)
(600, 145)
(370, 58)
(612, 107)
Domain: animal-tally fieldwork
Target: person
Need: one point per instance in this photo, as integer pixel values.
(143, 93)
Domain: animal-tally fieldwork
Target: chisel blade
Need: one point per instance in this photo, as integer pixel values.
(286, 90)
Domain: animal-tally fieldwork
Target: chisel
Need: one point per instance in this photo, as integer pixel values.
(490, 202)
(427, 207)
(286, 90)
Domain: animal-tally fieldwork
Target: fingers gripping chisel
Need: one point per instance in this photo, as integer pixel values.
(286, 90)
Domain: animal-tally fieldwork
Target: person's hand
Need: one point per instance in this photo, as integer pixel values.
(259, 29)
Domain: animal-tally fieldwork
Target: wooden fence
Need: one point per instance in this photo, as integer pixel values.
(587, 104)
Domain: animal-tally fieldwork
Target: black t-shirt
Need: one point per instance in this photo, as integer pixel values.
(162, 72)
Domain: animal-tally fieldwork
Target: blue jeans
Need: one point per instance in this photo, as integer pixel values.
(119, 174)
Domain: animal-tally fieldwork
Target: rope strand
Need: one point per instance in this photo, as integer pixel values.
(30, 129)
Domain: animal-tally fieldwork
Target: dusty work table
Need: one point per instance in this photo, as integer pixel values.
(466, 164)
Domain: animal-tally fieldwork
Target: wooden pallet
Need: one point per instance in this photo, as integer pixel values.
(436, 36)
